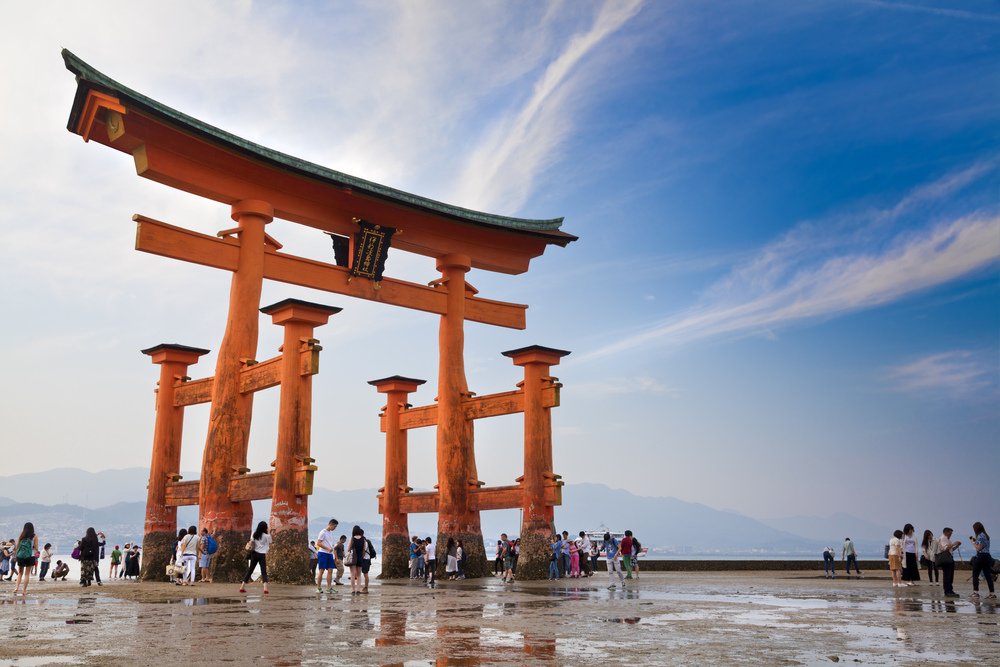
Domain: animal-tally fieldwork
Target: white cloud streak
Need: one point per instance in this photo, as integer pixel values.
(956, 374)
(808, 275)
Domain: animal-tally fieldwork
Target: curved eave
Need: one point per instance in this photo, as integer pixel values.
(89, 78)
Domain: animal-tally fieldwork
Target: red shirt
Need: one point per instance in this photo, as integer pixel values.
(626, 546)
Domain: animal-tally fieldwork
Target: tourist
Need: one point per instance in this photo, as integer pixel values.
(189, 552)
(451, 564)
(45, 558)
(366, 561)
(27, 545)
(132, 565)
(508, 558)
(338, 559)
(259, 543)
(896, 559)
(946, 561)
(516, 550)
(460, 555)
(323, 547)
(414, 557)
(313, 558)
(498, 562)
(850, 555)
(626, 552)
(430, 561)
(90, 554)
(421, 559)
(116, 559)
(207, 546)
(126, 555)
(595, 555)
(829, 564)
(564, 564)
(36, 554)
(6, 553)
(178, 559)
(583, 545)
(612, 551)
(928, 556)
(355, 552)
(911, 567)
(555, 557)
(574, 559)
(60, 571)
(636, 551)
(101, 542)
(983, 563)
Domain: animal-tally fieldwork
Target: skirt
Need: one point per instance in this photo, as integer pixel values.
(911, 572)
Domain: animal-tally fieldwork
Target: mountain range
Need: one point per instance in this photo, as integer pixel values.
(114, 501)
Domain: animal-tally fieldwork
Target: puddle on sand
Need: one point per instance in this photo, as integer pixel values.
(40, 660)
(197, 602)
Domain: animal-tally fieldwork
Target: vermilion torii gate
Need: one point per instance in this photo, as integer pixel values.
(259, 184)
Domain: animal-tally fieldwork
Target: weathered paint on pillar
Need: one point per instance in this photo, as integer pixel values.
(289, 525)
(537, 524)
(160, 530)
(229, 420)
(395, 529)
(456, 460)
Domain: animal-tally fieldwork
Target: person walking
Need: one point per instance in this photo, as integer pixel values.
(508, 559)
(928, 556)
(850, 555)
(90, 553)
(829, 564)
(366, 561)
(946, 561)
(27, 545)
(982, 565)
(626, 552)
(911, 569)
(259, 544)
(46, 561)
(339, 553)
(636, 552)
(430, 562)
(612, 552)
(325, 544)
(355, 552)
(189, 554)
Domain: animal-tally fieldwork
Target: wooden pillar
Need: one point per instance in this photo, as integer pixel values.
(293, 469)
(395, 528)
(229, 420)
(160, 531)
(456, 461)
(537, 524)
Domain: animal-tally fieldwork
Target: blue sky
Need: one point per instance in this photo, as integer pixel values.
(785, 296)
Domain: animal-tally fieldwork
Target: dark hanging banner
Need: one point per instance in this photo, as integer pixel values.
(341, 250)
(371, 247)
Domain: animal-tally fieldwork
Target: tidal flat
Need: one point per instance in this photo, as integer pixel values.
(775, 618)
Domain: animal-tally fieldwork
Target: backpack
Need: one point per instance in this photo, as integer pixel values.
(75, 555)
(24, 548)
(886, 551)
(636, 547)
(211, 546)
(371, 549)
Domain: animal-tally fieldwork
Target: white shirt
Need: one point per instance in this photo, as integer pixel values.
(326, 536)
(312, 551)
(263, 544)
(46, 555)
(189, 545)
(429, 552)
(895, 547)
(584, 543)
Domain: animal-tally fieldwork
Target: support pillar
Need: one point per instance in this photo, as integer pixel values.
(395, 528)
(160, 530)
(229, 420)
(537, 524)
(293, 469)
(456, 459)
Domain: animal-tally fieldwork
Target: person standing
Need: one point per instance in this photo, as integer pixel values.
(911, 569)
(946, 561)
(325, 544)
(339, 552)
(460, 555)
(207, 546)
(829, 564)
(564, 564)
(850, 555)
(260, 543)
(451, 564)
(584, 546)
(595, 556)
(366, 561)
(356, 552)
(574, 559)
(498, 562)
(982, 565)
(431, 562)
(554, 558)
(132, 571)
(189, 554)
(27, 545)
(116, 559)
(414, 557)
(612, 552)
(46, 561)
(928, 556)
(313, 558)
(508, 559)
(626, 552)
(90, 553)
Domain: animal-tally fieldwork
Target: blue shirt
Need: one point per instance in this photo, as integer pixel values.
(984, 543)
(565, 547)
(557, 548)
(611, 548)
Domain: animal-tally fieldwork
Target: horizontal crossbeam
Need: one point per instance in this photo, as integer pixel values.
(247, 486)
(480, 407)
(159, 238)
(485, 498)
(255, 377)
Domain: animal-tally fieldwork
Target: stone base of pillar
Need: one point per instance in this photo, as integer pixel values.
(288, 557)
(476, 564)
(395, 557)
(536, 551)
(157, 550)
(229, 563)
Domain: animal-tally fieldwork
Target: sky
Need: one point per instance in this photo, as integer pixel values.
(785, 299)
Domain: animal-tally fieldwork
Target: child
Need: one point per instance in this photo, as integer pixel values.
(896, 559)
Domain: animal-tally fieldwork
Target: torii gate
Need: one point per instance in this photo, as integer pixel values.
(260, 184)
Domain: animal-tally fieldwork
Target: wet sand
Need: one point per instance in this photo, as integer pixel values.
(779, 618)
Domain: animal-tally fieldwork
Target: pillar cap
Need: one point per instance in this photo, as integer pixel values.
(454, 260)
(396, 383)
(261, 209)
(165, 352)
(297, 310)
(538, 354)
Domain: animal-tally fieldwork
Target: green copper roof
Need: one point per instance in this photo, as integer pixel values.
(87, 78)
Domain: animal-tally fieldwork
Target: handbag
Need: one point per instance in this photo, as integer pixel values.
(944, 557)
(349, 557)
(248, 547)
(174, 570)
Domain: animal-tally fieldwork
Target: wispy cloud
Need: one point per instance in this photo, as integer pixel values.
(617, 386)
(812, 273)
(955, 374)
(931, 9)
(500, 172)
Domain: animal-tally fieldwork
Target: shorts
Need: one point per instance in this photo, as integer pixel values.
(26, 562)
(205, 561)
(324, 561)
(508, 562)
(366, 565)
(895, 563)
